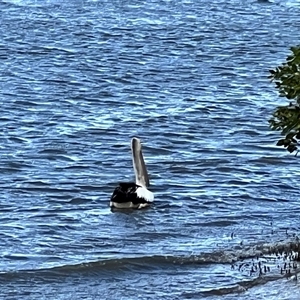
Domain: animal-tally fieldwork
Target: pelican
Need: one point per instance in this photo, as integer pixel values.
(130, 194)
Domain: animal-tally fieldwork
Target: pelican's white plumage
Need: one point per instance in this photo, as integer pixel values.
(134, 195)
(142, 192)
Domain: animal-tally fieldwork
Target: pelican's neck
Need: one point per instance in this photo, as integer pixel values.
(140, 170)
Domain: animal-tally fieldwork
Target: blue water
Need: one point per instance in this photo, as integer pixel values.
(79, 79)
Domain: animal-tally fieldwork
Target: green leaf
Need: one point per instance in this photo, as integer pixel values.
(290, 135)
(286, 119)
(291, 148)
(280, 142)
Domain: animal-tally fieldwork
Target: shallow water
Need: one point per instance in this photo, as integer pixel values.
(78, 80)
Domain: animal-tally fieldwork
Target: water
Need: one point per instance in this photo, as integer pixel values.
(78, 80)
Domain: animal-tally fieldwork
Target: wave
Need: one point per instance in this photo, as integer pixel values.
(266, 261)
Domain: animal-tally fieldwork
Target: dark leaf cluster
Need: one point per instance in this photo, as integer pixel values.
(287, 118)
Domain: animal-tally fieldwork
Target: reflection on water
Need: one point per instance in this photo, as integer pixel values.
(78, 80)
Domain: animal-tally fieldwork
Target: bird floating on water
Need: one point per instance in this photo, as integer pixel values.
(130, 194)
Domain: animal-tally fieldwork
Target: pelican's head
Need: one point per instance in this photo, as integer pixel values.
(136, 144)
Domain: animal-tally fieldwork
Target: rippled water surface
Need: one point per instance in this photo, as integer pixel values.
(78, 80)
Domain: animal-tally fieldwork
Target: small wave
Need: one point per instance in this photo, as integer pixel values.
(268, 261)
(112, 265)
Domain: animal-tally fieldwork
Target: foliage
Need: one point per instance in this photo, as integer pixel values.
(287, 118)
